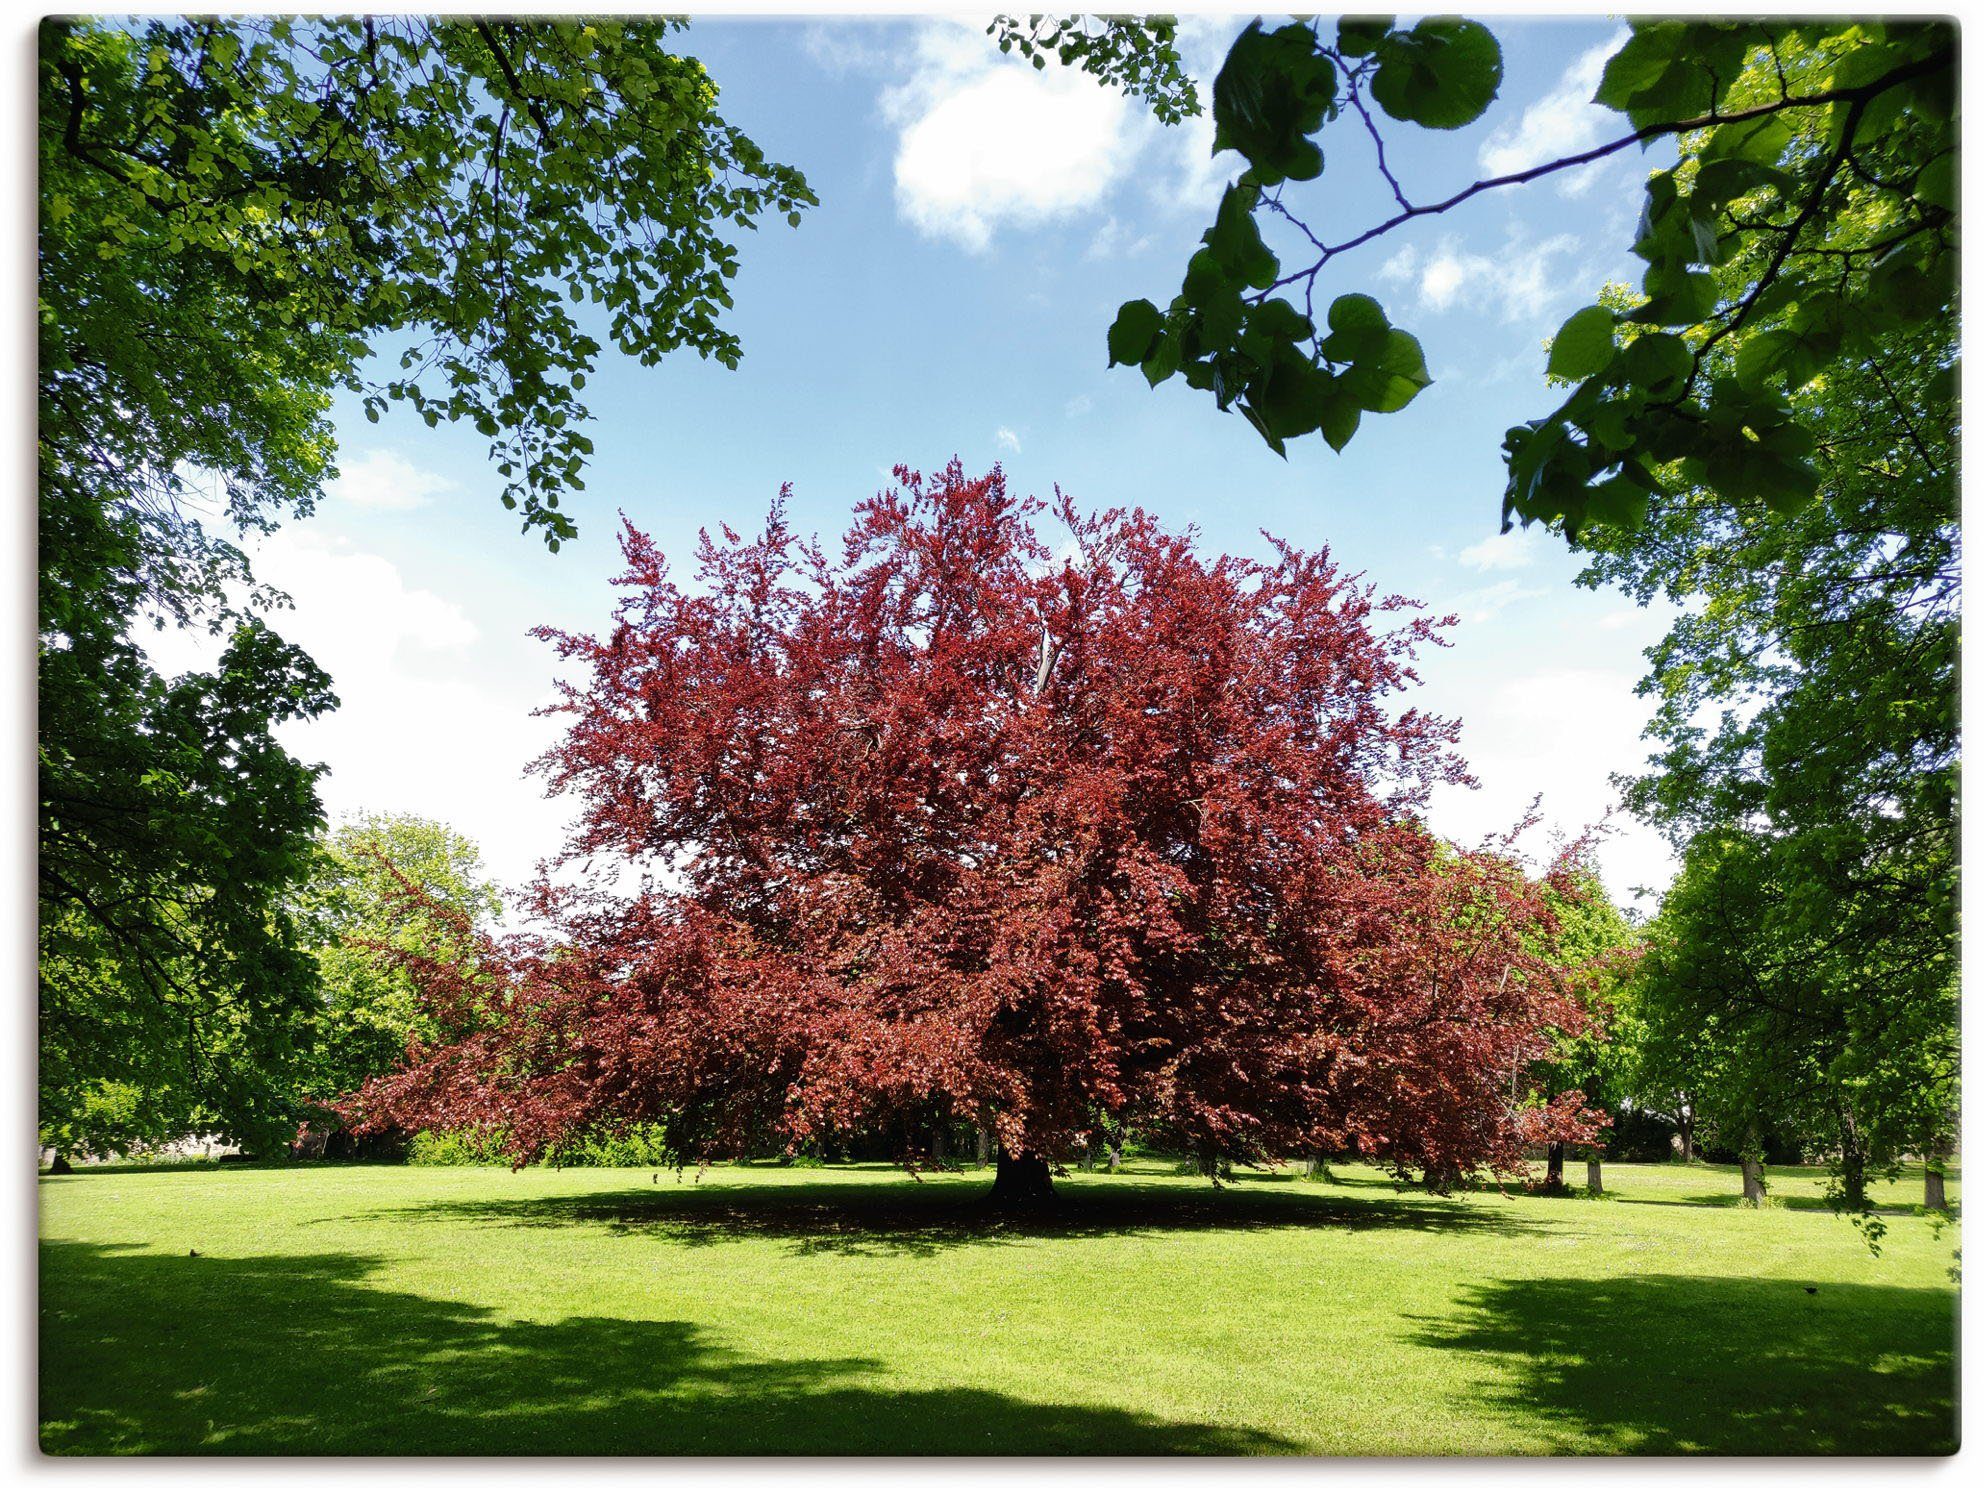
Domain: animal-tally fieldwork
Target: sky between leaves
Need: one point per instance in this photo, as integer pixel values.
(979, 224)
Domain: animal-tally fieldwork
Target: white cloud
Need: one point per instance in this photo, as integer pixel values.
(1522, 282)
(989, 141)
(434, 714)
(1563, 122)
(1513, 549)
(1567, 730)
(1080, 404)
(847, 46)
(1113, 240)
(381, 479)
(1479, 605)
(1007, 439)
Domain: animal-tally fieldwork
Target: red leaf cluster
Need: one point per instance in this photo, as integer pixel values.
(958, 822)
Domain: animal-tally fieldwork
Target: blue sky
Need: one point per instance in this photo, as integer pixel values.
(979, 224)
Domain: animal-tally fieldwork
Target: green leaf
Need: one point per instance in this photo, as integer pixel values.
(1358, 329)
(1653, 361)
(1583, 346)
(1358, 36)
(1441, 74)
(1392, 380)
(1234, 239)
(1617, 502)
(1274, 89)
(1136, 327)
(1935, 183)
(1339, 419)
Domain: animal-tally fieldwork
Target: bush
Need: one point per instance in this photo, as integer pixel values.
(456, 1149)
(638, 1145)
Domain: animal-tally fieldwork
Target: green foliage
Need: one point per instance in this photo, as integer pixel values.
(451, 186)
(175, 987)
(461, 1148)
(1138, 54)
(363, 915)
(1442, 74)
(640, 1144)
(1811, 213)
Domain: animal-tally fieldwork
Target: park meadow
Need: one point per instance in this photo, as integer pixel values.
(761, 1308)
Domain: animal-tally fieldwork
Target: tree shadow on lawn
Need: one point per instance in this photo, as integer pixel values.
(303, 1355)
(907, 1219)
(1672, 1364)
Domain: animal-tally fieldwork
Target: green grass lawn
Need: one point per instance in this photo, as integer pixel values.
(327, 1309)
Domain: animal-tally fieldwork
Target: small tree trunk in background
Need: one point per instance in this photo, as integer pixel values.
(1686, 1126)
(1933, 1196)
(1116, 1152)
(60, 1164)
(1442, 1177)
(1852, 1162)
(1553, 1172)
(937, 1152)
(1752, 1179)
(1022, 1182)
(1594, 1176)
(984, 1145)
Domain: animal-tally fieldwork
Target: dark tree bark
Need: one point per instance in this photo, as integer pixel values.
(1753, 1179)
(1594, 1176)
(1852, 1162)
(1116, 1153)
(1021, 1182)
(1933, 1196)
(60, 1164)
(937, 1149)
(1443, 1178)
(1553, 1173)
(984, 1145)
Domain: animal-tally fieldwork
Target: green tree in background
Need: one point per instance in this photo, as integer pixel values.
(1595, 943)
(361, 915)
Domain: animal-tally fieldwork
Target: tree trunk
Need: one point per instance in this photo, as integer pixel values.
(1022, 1181)
(1116, 1154)
(1443, 1177)
(984, 1145)
(1686, 1126)
(1753, 1180)
(937, 1152)
(1553, 1172)
(1852, 1162)
(60, 1164)
(1594, 1176)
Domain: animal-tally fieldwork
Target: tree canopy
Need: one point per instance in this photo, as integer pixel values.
(1812, 210)
(956, 823)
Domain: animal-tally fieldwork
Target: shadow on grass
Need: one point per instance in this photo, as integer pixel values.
(142, 1352)
(1671, 1364)
(906, 1219)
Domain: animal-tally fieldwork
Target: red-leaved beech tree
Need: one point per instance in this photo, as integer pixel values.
(959, 823)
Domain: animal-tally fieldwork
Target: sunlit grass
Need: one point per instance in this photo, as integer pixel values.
(326, 1309)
